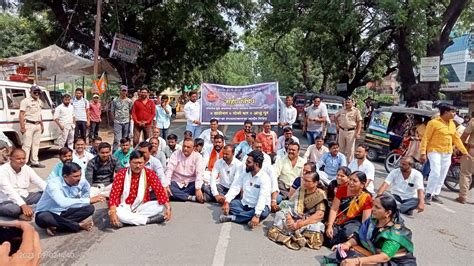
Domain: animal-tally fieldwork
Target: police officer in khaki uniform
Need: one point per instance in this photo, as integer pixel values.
(467, 164)
(31, 125)
(348, 121)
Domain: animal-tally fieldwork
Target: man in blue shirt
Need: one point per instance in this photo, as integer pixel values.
(332, 160)
(245, 147)
(65, 155)
(66, 203)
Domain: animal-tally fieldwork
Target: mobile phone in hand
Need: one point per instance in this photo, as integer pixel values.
(12, 235)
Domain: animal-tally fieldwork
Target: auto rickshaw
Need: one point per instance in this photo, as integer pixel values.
(388, 127)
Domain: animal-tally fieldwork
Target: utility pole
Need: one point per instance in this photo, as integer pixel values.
(97, 38)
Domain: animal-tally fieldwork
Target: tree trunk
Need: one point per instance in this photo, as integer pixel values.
(306, 75)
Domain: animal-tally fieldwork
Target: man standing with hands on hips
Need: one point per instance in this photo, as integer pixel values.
(31, 125)
(437, 146)
(192, 112)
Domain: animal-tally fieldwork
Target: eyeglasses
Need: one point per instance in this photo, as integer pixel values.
(36, 92)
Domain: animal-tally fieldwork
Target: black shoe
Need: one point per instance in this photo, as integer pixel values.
(409, 213)
(38, 165)
(428, 199)
(437, 199)
(156, 219)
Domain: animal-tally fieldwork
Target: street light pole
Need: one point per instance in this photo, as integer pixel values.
(97, 37)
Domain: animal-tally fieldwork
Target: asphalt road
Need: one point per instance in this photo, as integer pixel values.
(443, 235)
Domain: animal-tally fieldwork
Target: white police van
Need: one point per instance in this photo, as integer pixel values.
(11, 94)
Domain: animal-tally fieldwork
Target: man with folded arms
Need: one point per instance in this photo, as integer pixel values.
(66, 202)
(185, 172)
(130, 196)
(15, 199)
(256, 189)
(223, 174)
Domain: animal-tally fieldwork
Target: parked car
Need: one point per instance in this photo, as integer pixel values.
(11, 94)
(303, 100)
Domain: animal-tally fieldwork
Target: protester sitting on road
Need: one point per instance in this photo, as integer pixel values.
(256, 188)
(406, 185)
(185, 173)
(361, 163)
(301, 223)
(332, 161)
(287, 134)
(241, 134)
(307, 168)
(66, 202)
(282, 153)
(342, 179)
(289, 168)
(268, 138)
(172, 145)
(80, 155)
(186, 135)
(65, 155)
(245, 147)
(199, 146)
(123, 154)
(157, 135)
(15, 198)
(258, 146)
(382, 239)
(314, 152)
(4, 151)
(130, 196)
(155, 152)
(211, 156)
(223, 174)
(100, 170)
(206, 134)
(94, 148)
(153, 163)
(351, 206)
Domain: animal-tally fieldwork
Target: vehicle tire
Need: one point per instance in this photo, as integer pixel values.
(392, 161)
(372, 155)
(452, 178)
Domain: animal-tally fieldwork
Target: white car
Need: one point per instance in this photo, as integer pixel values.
(11, 94)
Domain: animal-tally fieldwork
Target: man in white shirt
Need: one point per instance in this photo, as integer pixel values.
(192, 113)
(256, 188)
(223, 173)
(361, 163)
(287, 134)
(15, 199)
(315, 119)
(316, 151)
(288, 114)
(161, 142)
(81, 113)
(406, 185)
(206, 134)
(65, 119)
(80, 155)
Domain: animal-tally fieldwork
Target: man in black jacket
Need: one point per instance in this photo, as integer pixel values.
(101, 170)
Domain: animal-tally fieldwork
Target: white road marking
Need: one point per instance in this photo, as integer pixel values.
(445, 208)
(222, 243)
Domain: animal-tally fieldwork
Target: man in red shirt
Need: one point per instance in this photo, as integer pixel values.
(95, 112)
(143, 112)
(240, 135)
(268, 138)
(130, 196)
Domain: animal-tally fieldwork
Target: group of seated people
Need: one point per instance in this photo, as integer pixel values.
(317, 199)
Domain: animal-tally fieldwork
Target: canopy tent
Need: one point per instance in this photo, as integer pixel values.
(57, 61)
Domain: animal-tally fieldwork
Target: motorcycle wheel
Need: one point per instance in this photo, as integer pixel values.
(392, 161)
(372, 155)
(452, 178)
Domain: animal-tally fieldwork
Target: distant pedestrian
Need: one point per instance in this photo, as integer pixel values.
(31, 125)
(163, 116)
(65, 119)
(121, 110)
(95, 117)
(316, 117)
(143, 112)
(81, 113)
(192, 112)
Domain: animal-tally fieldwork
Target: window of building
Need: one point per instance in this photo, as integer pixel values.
(470, 72)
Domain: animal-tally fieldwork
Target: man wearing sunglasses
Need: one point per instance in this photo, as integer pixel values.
(31, 125)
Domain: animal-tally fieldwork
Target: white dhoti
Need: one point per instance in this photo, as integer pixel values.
(141, 214)
(100, 190)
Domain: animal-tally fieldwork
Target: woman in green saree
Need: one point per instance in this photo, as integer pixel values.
(299, 223)
(382, 239)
